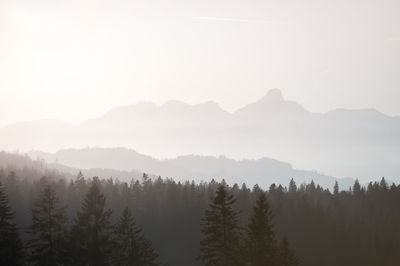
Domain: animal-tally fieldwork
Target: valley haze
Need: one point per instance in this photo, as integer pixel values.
(126, 164)
(361, 144)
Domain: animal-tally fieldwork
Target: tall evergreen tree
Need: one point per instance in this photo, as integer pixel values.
(47, 246)
(383, 184)
(221, 243)
(336, 189)
(292, 186)
(286, 255)
(11, 252)
(91, 231)
(357, 188)
(260, 240)
(130, 246)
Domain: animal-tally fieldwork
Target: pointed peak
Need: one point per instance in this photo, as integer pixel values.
(274, 95)
(272, 102)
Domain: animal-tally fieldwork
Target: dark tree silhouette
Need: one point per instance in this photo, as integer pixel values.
(336, 189)
(292, 186)
(130, 246)
(11, 252)
(48, 230)
(221, 242)
(351, 227)
(91, 231)
(286, 255)
(260, 240)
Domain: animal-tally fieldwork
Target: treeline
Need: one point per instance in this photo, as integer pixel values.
(94, 222)
(90, 240)
(226, 243)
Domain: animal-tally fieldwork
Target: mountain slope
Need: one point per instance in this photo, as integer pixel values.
(360, 143)
(272, 103)
(264, 171)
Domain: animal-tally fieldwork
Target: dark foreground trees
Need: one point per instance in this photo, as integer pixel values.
(91, 240)
(130, 245)
(48, 231)
(357, 227)
(221, 243)
(92, 228)
(286, 256)
(224, 243)
(260, 239)
(94, 241)
(10, 244)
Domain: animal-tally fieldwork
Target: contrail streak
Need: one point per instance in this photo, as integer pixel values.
(233, 20)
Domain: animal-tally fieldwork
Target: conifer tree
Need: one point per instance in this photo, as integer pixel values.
(221, 242)
(260, 240)
(91, 231)
(130, 246)
(336, 189)
(47, 246)
(11, 252)
(311, 187)
(357, 188)
(272, 188)
(80, 185)
(286, 255)
(292, 186)
(383, 185)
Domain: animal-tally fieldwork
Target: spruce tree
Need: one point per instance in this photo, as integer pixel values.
(336, 189)
(91, 231)
(383, 185)
(292, 186)
(260, 240)
(130, 246)
(221, 242)
(286, 255)
(11, 252)
(357, 188)
(47, 246)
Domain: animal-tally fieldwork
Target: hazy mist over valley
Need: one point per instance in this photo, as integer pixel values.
(343, 143)
(199, 133)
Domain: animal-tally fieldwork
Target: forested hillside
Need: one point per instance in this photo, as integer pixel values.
(360, 226)
(263, 171)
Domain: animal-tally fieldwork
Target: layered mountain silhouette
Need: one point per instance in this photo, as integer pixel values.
(271, 104)
(361, 144)
(126, 164)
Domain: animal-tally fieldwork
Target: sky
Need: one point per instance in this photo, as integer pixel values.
(73, 61)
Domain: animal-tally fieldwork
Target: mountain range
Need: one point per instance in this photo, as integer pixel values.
(126, 164)
(362, 144)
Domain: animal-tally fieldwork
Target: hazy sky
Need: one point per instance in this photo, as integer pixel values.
(76, 60)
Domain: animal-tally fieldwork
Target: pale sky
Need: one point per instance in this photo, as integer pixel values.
(76, 60)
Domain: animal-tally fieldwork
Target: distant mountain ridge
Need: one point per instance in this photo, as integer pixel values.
(263, 171)
(272, 102)
(363, 144)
